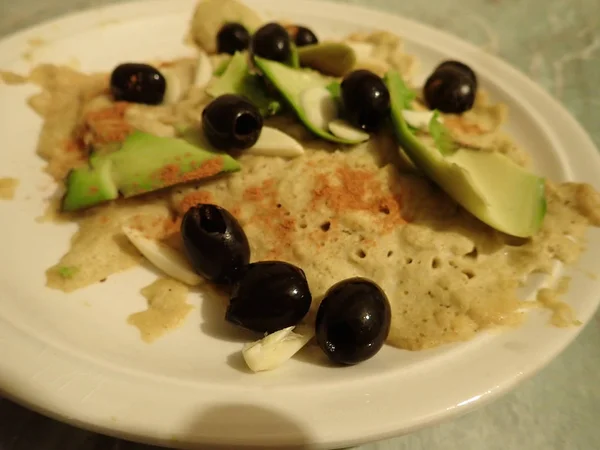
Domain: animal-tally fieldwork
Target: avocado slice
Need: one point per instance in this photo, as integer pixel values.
(144, 163)
(294, 58)
(237, 79)
(90, 185)
(291, 84)
(490, 186)
(335, 89)
(221, 67)
(331, 58)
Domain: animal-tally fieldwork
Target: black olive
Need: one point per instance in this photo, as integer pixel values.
(305, 36)
(450, 90)
(459, 66)
(231, 122)
(137, 83)
(366, 99)
(214, 243)
(353, 321)
(232, 37)
(269, 296)
(271, 41)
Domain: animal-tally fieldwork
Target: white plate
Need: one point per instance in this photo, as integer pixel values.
(75, 358)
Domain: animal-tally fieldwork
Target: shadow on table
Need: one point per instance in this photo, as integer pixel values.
(249, 419)
(212, 312)
(21, 429)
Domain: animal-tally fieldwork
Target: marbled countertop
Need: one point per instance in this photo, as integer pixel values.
(556, 42)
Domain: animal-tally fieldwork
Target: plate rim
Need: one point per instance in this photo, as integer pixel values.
(111, 428)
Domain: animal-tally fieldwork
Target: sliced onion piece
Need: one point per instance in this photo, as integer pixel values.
(273, 142)
(174, 89)
(319, 106)
(418, 119)
(204, 70)
(344, 130)
(165, 258)
(276, 348)
(362, 50)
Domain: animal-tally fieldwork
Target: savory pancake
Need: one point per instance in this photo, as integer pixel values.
(336, 212)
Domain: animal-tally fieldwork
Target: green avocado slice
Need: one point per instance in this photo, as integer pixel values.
(294, 58)
(331, 58)
(490, 186)
(221, 68)
(237, 79)
(291, 83)
(143, 164)
(90, 186)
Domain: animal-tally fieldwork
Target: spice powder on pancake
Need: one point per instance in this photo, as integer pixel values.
(108, 125)
(74, 155)
(344, 190)
(269, 215)
(192, 199)
(75, 145)
(359, 190)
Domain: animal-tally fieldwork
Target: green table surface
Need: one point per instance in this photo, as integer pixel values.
(555, 42)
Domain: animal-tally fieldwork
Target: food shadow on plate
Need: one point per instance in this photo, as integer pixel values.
(277, 430)
(213, 305)
(22, 429)
(236, 361)
(313, 355)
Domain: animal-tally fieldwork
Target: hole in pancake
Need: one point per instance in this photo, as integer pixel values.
(469, 273)
(435, 263)
(472, 254)
(303, 225)
(409, 260)
(361, 253)
(384, 209)
(513, 241)
(390, 253)
(326, 226)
